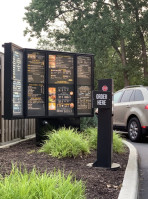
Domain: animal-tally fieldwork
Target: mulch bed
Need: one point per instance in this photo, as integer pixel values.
(100, 183)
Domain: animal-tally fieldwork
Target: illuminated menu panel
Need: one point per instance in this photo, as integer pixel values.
(36, 67)
(17, 82)
(61, 69)
(61, 100)
(36, 100)
(83, 70)
(84, 100)
(36, 80)
(84, 81)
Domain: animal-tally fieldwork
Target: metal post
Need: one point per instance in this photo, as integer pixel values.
(103, 100)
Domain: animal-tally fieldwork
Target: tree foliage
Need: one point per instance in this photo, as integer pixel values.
(116, 31)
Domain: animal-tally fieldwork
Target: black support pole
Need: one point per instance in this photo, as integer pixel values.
(104, 142)
(105, 126)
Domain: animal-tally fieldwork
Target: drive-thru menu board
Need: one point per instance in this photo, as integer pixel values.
(60, 85)
(36, 67)
(61, 69)
(61, 100)
(47, 83)
(84, 105)
(84, 68)
(35, 87)
(84, 85)
(17, 65)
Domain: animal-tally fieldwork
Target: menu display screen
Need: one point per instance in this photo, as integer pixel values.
(61, 69)
(84, 102)
(36, 80)
(61, 100)
(17, 82)
(84, 70)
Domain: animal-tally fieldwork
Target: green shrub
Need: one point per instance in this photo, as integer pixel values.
(118, 145)
(88, 122)
(91, 136)
(34, 185)
(65, 143)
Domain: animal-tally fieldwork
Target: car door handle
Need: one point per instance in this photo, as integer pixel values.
(127, 106)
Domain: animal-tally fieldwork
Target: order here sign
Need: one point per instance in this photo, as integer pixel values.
(102, 99)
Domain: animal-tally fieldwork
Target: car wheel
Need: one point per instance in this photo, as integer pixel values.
(134, 130)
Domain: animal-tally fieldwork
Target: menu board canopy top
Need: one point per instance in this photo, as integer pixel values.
(51, 52)
(12, 45)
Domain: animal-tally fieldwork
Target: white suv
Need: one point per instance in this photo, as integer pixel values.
(131, 111)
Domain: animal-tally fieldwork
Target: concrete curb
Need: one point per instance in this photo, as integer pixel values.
(131, 178)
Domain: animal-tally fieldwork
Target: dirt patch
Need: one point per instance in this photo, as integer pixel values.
(100, 183)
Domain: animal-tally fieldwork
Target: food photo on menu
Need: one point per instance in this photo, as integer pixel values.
(52, 98)
(52, 61)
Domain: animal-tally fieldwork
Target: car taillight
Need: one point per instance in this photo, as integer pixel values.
(146, 107)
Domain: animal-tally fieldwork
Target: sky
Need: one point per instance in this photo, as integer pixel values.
(12, 24)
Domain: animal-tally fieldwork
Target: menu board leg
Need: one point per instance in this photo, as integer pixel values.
(65, 122)
(41, 128)
(43, 125)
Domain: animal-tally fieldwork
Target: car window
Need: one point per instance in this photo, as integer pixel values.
(117, 96)
(126, 96)
(132, 98)
(138, 95)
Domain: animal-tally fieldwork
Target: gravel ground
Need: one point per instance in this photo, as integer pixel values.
(100, 183)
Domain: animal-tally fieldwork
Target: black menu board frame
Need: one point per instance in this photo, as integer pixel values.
(9, 79)
(65, 70)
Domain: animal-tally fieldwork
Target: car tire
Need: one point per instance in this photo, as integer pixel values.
(134, 130)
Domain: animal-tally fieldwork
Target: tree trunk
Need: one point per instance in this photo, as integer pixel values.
(124, 63)
(123, 52)
(144, 56)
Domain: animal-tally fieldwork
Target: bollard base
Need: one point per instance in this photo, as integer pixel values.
(102, 164)
(115, 166)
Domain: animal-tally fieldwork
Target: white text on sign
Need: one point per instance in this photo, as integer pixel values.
(101, 102)
(101, 96)
(101, 99)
